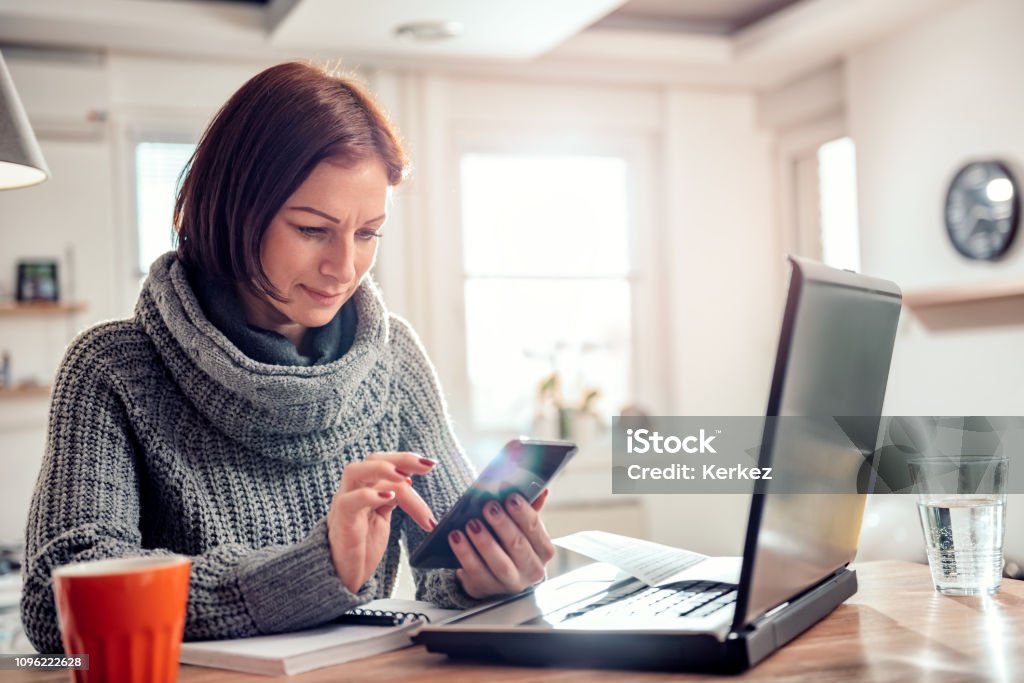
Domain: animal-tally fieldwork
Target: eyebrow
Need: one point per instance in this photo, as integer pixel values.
(310, 209)
(331, 218)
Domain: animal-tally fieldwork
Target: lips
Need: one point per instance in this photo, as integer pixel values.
(320, 296)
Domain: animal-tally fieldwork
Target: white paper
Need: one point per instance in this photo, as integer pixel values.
(652, 563)
(721, 569)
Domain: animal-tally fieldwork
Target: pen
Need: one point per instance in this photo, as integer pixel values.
(370, 620)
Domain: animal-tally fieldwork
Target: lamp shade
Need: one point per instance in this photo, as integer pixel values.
(21, 160)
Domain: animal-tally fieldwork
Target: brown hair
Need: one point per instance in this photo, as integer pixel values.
(261, 145)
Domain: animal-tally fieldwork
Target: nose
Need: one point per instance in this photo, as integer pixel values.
(340, 261)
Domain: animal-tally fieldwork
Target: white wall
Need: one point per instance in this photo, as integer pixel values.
(726, 269)
(921, 103)
(725, 282)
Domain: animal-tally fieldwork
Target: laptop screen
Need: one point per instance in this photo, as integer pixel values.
(833, 361)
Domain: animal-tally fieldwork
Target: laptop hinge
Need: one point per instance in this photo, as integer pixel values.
(784, 623)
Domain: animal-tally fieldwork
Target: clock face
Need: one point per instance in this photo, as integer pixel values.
(982, 210)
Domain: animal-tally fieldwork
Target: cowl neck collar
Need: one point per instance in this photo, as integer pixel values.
(265, 406)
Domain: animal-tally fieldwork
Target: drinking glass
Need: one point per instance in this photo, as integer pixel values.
(962, 504)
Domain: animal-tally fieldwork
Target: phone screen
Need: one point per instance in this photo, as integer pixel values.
(522, 466)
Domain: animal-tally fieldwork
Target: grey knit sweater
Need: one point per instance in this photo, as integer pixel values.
(164, 437)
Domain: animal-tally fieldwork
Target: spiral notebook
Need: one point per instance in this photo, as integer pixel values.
(293, 653)
(400, 609)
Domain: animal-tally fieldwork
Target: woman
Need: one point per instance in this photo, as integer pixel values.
(263, 413)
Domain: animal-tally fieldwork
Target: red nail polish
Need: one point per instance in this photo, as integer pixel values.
(475, 526)
(403, 473)
(386, 494)
(408, 481)
(494, 509)
(428, 462)
(432, 523)
(456, 537)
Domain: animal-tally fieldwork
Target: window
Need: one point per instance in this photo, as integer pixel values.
(547, 284)
(157, 168)
(837, 183)
(818, 191)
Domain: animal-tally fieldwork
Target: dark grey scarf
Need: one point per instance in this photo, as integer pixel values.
(222, 306)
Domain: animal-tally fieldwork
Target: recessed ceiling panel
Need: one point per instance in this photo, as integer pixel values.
(511, 29)
(709, 16)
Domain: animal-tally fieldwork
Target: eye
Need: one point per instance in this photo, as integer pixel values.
(307, 231)
(367, 235)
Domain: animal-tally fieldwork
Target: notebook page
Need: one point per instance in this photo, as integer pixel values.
(285, 645)
(303, 650)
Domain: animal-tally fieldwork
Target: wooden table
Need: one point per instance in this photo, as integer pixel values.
(896, 628)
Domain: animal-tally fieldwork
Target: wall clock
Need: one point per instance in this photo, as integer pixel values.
(983, 210)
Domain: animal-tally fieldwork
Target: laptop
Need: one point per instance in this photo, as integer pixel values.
(833, 359)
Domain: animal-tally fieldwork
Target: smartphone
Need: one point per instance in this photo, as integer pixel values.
(522, 466)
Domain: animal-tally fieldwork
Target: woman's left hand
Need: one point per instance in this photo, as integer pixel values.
(510, 559)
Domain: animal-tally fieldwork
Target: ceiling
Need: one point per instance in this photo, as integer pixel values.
(704, 16)
(742, 43)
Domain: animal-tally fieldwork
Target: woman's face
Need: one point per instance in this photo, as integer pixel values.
(319, 246)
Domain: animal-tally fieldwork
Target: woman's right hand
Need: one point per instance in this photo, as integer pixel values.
(359, 519)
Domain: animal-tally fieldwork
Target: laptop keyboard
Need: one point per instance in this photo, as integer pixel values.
(681, 599)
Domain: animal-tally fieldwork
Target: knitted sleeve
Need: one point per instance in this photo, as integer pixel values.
(426, 429)
(86, 506)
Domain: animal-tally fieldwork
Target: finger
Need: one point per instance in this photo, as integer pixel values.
(529, 522)
(369, 472)
(362, 499)
(415, 507)
(540, 500)
(494, 556)
(410, 463)
(513, 539)
(474, 575)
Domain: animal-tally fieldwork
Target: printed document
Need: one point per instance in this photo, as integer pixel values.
(653, 563)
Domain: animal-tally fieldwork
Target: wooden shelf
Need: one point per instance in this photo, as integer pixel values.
(41, 308)
(963, 294)
(26, 391)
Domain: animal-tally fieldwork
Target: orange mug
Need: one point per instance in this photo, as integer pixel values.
(127, 614)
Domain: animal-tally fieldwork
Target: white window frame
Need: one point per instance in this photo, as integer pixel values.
(649, 376)
(799, 194)
(129, 134)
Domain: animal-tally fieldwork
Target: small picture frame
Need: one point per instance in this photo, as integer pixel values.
(37, 281)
